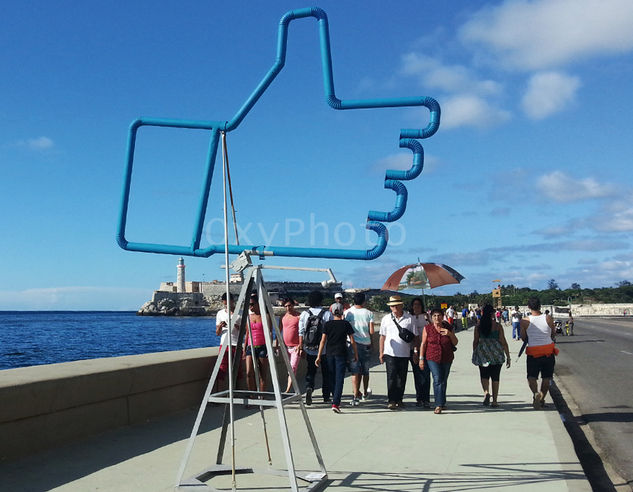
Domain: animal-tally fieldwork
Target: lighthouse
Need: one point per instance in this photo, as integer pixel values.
(180, 279)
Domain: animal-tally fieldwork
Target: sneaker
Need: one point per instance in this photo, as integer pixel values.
(537, 401)
(309, 396)
(336, 409)
(368, 394)
(355, 402)
(392, 405)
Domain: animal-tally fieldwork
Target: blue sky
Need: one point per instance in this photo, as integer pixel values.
(526, 180)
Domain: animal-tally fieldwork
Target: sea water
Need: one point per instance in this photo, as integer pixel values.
(29, 338)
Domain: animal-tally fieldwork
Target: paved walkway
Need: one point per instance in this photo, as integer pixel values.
(469, 447)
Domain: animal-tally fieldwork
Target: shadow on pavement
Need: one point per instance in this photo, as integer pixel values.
(483, 477)
(73, 461)
(589, 459)
(607, 417)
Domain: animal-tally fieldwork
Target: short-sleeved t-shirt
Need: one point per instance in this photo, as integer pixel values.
(418, 322)
(360, 318)
(222, 315)
(290, 324)
(337, 331)
(394, 345)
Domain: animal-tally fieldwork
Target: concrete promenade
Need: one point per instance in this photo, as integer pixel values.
(468, 447)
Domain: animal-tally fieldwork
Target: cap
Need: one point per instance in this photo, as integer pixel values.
(338, 295)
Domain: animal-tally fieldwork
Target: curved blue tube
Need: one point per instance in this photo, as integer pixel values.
(418, 161)
(401, 203)
(408, 139)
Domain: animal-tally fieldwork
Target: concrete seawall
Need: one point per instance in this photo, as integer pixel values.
(49, 405)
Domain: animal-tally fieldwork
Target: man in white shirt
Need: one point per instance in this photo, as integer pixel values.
(450, 315)
(516, 323)
(394, 351)
(221, 329)
(362, 320)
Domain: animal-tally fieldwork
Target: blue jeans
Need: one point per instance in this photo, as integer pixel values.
(422, 380)
(516, 328)
(440, 379)
(311, 373)
(337, 364)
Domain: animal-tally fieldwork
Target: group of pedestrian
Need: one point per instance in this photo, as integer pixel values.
(339, 339)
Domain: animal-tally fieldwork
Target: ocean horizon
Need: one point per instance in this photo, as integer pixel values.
(47, 337)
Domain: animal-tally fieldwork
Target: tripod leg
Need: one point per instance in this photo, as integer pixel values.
(264, 300)
(247, 287)
(203, 407)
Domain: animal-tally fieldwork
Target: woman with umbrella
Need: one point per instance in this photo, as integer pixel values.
(436, 350)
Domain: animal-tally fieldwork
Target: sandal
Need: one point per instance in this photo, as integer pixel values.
(437, 410)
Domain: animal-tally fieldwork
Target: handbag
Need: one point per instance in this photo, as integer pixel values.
(406, 335)
(488, 352)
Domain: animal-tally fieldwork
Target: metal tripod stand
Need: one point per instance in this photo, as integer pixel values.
(314, 480)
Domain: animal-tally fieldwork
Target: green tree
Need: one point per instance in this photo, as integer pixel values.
(552, 285)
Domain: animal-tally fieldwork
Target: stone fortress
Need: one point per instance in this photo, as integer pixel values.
(194, 298)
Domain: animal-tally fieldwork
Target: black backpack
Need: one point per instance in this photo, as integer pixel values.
(314, 330)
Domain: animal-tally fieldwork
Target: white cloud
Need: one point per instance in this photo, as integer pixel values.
(562, 188)
(39, 143)
(533, 35)
(469, 102)
(469, 110)
(617, 217)
(548, 93)
(450, 78)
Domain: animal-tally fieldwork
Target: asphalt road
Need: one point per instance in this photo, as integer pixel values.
(596, 368)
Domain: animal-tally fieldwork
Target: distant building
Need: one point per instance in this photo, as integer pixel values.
(182, 289)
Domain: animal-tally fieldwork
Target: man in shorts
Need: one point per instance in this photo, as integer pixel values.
(362, 320)
(538, 329)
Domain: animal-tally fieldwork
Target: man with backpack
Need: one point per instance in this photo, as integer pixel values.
(311, 324)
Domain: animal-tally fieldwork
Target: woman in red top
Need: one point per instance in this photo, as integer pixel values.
(438, 340)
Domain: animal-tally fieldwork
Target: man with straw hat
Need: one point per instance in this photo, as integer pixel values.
(395, 350)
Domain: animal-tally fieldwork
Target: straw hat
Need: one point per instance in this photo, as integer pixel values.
(395, 301)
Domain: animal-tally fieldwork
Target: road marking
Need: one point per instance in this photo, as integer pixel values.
(625, 352)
